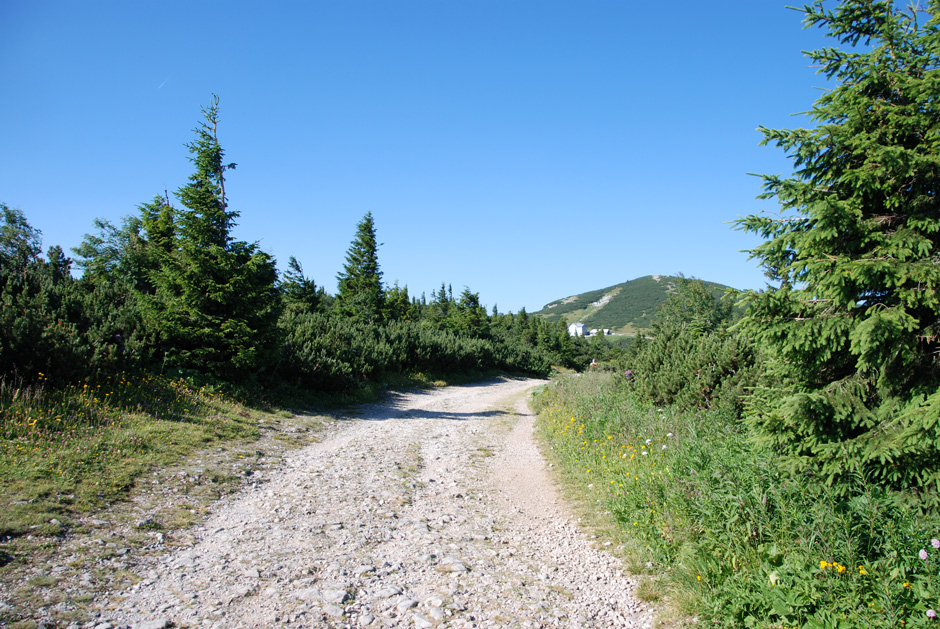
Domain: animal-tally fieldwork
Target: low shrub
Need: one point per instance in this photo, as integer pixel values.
(741, 542)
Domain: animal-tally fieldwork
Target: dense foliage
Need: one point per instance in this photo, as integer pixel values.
(171, 291)
(783, 470)
(851, 332)
(731, 538)
(694, 357)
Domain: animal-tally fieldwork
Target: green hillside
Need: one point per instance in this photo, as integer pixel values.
(624, 308)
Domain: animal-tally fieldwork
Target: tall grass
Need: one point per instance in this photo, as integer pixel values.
(73, 447)
(740, 543)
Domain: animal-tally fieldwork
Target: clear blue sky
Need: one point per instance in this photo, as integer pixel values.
(527, 149)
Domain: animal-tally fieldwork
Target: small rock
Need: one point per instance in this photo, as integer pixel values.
(161, 623)
(388, 591)
(306, 594)
(337, 597)
(422, 622)
(454, 566)
(244, 590)
(334, 611)
(405, 603)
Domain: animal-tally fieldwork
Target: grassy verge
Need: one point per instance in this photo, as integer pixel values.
(67, 451)
(93, 475)
(738, 543)
(70, 450)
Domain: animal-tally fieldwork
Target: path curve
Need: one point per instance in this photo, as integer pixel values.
(432, 509)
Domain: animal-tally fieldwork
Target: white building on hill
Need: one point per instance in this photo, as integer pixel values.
(577, 329)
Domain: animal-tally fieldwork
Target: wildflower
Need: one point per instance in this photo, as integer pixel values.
(922, 554)
(906, 584)
(668, 434)
(823, 565)
(935, 543)
(931, 613)
(861, 570)
(664, 447)
(649, 441)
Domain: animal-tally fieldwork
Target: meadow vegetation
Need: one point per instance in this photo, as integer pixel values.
(177, 337)
(774, 455)
(780, 466)
(71, 450)
(734, 540)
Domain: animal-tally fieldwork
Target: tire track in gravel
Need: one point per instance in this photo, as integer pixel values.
(430, 509)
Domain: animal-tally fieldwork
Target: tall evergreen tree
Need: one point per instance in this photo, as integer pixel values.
(854, 326)
(216, 305)
(361, 295)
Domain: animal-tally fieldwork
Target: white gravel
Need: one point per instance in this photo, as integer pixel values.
(432, 509)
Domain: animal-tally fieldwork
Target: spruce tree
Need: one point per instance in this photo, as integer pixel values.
(852, 329)
(361, 295)
(216, 305)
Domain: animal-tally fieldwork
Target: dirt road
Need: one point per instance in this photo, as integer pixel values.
(430, 509)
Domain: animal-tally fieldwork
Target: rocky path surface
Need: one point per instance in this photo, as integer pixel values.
(432, 509)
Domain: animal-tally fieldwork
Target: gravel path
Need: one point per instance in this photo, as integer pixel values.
(431, 509)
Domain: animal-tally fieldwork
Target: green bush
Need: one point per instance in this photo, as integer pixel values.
(335, 353)
(742, 542)
(695, 359)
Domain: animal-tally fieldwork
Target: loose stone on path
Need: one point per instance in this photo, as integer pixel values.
(395, 519)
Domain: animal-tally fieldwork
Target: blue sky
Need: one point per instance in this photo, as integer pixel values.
(529, 150)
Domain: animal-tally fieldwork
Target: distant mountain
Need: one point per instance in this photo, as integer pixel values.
(624, 308)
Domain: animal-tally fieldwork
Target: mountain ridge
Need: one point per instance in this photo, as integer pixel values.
(625, 308)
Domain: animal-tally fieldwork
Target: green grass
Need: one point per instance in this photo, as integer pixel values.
(738, 543)
(69, 450)
(72, 449)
